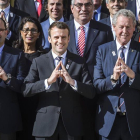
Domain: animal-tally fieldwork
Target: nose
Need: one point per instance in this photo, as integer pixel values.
(60, 39)
(55, 6)
(124, 29)
(83, 7)
(116, 2)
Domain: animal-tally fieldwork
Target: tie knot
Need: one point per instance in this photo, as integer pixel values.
(59, 58)
(122, 48)
(82, 27)
(40, 1)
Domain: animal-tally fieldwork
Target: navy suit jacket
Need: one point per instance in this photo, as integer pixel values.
(131, 5)
(109, 95)
(58, 97)
(106, 21)
(13, 62)
(98, 34)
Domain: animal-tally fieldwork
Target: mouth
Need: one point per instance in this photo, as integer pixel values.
(29, 38)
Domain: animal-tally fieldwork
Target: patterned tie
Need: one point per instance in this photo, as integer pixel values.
(59, 59)
(95, 16)
(81, 42)
(39, 7)
(121, 99)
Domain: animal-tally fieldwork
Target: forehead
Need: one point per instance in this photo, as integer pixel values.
(82, 1)
(122, 1)
(29, 24)
(55, 1)
(124, 20)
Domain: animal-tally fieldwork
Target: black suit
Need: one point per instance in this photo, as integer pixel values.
(131, 5)
(58, 99)
(28, 6)
(13, 62)
(14, 20)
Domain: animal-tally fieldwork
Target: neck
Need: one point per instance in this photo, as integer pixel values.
(29, 48)
(95, 7)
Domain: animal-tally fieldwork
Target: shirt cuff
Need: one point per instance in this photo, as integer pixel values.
(9, 35)
(47, 87)
(131, 81)
(75, 85)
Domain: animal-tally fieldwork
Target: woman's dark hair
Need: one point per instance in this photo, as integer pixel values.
(20, 44)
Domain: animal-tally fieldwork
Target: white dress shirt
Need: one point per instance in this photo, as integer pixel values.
(77, 31)
(56, 61)
(52, 21)
(137, 8)
(113, 32)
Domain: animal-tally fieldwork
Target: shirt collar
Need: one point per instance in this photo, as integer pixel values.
(119, 45)
(1, 48)
(98, 10)
(51, 21)
(6, 10)
(63, 55)
(77, 25)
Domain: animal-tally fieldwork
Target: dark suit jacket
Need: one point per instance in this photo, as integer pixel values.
(131, 5)
(98, 34)
(28, 6)
(109, 95)
(13, 62)
(106, 21)
(103, 15)
(15, 17)
(58, 98)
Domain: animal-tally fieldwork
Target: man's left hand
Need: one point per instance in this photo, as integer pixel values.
(3, 75)
(129, 72)
(66, 77)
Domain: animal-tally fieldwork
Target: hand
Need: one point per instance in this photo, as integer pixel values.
(129, 72)
(3, 75)
(65, 75)
(117, 69)
(55, 74)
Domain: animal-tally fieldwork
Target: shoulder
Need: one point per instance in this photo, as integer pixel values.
(45, 23)
(12, 50)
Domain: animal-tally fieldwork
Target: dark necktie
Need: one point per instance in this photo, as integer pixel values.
(39, 7)
(95, 16)
(59, 59)
(121, 99)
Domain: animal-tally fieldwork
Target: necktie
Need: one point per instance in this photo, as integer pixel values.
(59, 59)
(121, 99)
(39, 7)
(81, 41)
(95, 16)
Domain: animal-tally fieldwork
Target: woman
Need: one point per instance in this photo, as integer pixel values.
(30, 41)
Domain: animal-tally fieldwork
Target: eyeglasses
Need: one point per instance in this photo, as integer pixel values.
(119, 1)
(80, 5)
(33, 31)
(1, 30)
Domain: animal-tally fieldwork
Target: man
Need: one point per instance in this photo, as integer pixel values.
(33, 7)
(55, 11)
(12, 73)
(134, 6)
(113, 6)
(12, 17)
(86, 35)
(61, 79)
(117, 78)
(98, 13)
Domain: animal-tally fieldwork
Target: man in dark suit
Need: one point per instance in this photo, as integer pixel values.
(95, 34)
(12, 17)
(55, 11)
(113, 7)
(61, 79)
(117, 78)
(12, 74)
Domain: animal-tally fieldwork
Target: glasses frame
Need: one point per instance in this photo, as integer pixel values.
(87, 7)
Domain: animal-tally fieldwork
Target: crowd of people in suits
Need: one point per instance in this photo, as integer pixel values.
(69, 69)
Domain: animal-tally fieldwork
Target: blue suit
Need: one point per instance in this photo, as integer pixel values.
(131, 5)
(13, 62)
(109, 95)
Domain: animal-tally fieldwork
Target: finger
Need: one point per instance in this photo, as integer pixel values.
(63, 66)
(122, 62)
(118, 62)
(58, 66)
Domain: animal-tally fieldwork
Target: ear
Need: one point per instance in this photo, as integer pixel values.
(72, 8)
(107, 6)
(69, 38)
(49, 39)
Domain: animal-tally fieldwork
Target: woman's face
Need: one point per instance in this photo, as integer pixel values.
(29, 33)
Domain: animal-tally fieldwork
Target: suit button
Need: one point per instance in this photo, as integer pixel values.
(60, 97)
(58, 112)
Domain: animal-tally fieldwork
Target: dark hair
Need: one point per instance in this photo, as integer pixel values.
(20, 44)
(4, 23)
(59, 25)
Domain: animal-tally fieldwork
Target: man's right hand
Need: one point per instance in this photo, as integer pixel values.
(55, 74)
(117, 69)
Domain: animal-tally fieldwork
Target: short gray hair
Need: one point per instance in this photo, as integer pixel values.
(125, 13)
(72, 2)
(108, 1)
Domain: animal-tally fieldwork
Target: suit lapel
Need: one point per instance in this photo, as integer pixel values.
(113, 52)
(4, 57)
(11, 17)
(92, 33)
(72, 43)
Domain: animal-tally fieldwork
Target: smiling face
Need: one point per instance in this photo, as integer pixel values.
(115, 5)
(82, 15)
(29, 37)
(124, 29)
(4, 3)
(59, 40)
(55, 9)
